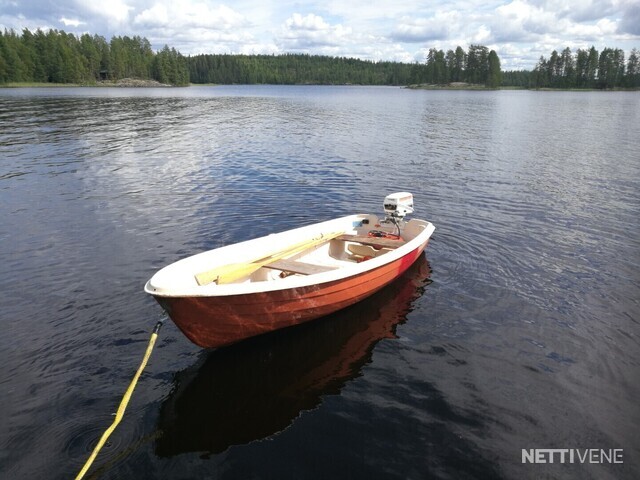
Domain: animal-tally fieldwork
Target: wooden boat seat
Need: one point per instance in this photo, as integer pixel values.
(373, 241)
(295, 266)
(367, 250)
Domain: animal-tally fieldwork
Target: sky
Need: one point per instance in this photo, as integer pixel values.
(520, 31)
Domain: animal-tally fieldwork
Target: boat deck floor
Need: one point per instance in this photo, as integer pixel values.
(295, 266)
(373, 241)
(302, 267)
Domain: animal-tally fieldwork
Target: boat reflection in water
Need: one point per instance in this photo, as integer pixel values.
(258, 387)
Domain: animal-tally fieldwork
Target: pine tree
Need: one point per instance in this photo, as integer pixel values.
(494, 79)
(632, 77)
(477, 64)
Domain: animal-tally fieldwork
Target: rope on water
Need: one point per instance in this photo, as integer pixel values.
(123, 402)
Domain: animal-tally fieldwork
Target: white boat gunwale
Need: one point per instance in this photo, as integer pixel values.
(350, 225)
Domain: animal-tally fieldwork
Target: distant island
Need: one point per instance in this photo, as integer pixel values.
(59, 58)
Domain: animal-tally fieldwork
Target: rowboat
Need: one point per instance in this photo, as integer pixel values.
(258, 387)
(234, 292)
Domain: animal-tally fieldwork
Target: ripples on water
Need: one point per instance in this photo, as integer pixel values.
(527, 336)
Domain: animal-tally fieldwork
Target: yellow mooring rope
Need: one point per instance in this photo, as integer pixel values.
(123, 403)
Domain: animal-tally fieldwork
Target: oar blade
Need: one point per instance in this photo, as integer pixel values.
(230, 273)
(223, 272)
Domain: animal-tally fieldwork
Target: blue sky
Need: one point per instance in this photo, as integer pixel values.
(404, 30)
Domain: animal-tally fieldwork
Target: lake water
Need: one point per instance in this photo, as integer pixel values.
(518, 330)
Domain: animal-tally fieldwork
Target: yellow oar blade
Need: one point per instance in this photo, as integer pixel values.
(235, 271)
(242, 271)
(227, 271)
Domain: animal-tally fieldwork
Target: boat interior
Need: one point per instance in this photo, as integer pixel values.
(335, 246)
(343, 250)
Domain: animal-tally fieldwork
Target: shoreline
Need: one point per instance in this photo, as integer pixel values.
(139, 83)
(122, 83)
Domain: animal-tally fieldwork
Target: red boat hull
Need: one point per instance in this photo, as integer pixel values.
(217, 321)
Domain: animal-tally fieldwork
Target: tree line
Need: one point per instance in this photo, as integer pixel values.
(478, 65)
(587, 69)
(295, 68)
(59, 57)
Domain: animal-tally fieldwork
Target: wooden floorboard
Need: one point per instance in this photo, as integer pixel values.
(299, 267)
(373, 241)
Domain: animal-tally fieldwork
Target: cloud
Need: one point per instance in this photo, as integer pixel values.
(577, 10)
(310, 22)
(375, 10)
(195, 27)
(519, 21)
(71, 22)
(183, 15)
(519, 30)
(418, 30)
(311, 31)
(115, 12)
(601, 29)
(314, 34)
(381, 50)
(156, 16)
(630, 21)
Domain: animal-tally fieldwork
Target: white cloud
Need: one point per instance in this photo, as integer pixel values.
(375, 10)
(180, 15)
(482, 36)
(71, 22)
(394, 52)
(630, 18)
(577, 10)
(155, 16)
(519, 30)
(309, 22)
(113, 11)
(602, 28)
(417, 29)
(195, 27)
(311, 31)
(521, 21)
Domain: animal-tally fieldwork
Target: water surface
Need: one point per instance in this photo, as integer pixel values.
(518, 330)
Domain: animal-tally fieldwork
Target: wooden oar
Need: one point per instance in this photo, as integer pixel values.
(235, 271)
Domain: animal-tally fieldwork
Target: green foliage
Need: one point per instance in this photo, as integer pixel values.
(587, 69)
(478, 66)
(170, 67)
(298, 69)
(632, 77)
(516, 78)
(494, 74)
(59, 57)
(129, 58)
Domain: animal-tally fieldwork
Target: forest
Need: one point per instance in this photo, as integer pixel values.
(58, 57)
(587, 69)
(295, 69)
(478, 66)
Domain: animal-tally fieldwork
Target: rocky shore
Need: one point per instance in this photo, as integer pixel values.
(449, 86)
(132, 83)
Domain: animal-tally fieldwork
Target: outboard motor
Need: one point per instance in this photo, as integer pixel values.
(397, 206)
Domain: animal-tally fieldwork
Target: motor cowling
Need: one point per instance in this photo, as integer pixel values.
(398, 205)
